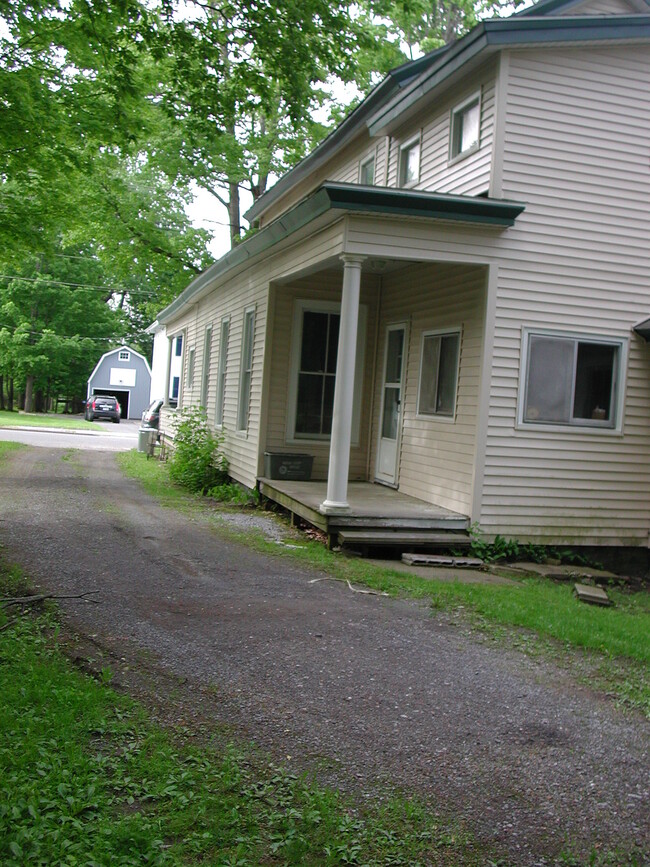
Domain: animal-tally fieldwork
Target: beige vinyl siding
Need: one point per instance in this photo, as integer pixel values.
(232, 297)
(577, 261)
(324, 286)
(469, 175)
(437, 455)
(601, 7)
(343, 167)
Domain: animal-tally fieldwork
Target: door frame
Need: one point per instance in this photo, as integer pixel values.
(400, 324)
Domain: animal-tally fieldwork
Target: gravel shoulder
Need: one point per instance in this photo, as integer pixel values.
(366, 691)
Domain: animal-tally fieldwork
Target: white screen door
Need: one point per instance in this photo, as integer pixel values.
(390, 422)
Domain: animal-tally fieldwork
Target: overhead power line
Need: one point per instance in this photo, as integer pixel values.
(119, 290)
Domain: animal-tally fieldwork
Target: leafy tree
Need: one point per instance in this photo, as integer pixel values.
(54, 325)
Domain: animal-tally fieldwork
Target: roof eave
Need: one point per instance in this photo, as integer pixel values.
(493, 36)
(340, 198)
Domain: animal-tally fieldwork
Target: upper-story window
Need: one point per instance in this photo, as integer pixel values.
(367, 171)
(124, 355)
(465, 127)
(409, 162)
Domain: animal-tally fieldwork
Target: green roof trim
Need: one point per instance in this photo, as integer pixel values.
(353, 198)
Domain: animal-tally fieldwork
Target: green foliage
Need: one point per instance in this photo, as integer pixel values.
(231, 492)
(197, 463)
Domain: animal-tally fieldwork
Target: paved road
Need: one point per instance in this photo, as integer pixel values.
(107, 437)
(379, 689)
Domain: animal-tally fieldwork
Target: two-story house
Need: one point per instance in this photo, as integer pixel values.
(447, 302)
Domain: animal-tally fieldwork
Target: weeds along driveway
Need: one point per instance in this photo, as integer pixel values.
(370, 690)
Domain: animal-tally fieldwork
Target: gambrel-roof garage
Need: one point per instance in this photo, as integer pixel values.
(126, 374)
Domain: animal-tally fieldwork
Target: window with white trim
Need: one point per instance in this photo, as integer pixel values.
(221, 373)
(572, 380)
(313, 375)
(465, 127)
(367, 171)
(246, 370)
(124, 355)
(190, 367)
(439, 357)
(205, 378)
(409, 162)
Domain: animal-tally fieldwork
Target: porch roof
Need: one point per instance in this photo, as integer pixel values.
(338, 199)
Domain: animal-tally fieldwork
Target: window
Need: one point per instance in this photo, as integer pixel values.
(178, 351)
(314, 354)
(367, 171)
(176, 381)
(465, 127)
(124, 355)
(438, 373)
(571, 380)
(409, 163)
(190, 368)
(246, 370)
(221, 374)
(205, 379)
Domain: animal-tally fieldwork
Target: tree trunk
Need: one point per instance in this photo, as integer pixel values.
(39, 401)
(29, 393)
(10, 395)
(2, 392)
(233, 214)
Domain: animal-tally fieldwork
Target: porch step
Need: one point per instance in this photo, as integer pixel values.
(398, 538)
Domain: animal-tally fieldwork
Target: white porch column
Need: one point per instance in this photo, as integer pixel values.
(168, 371)
(339, 465)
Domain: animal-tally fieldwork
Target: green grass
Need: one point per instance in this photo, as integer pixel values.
(617, 639)
(7, 447)
(22, 419)
(85, 778)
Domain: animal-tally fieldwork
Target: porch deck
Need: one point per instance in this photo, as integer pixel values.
(378, 515)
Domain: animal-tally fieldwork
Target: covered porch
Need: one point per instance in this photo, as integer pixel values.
(376, 515)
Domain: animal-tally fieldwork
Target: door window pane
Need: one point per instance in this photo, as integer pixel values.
(391, 413)
(394, 352)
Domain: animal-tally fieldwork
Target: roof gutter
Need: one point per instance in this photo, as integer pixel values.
(341, 198)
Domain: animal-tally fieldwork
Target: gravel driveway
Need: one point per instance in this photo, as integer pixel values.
(377, 689)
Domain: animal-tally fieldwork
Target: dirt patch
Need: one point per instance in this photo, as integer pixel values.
(364, 691)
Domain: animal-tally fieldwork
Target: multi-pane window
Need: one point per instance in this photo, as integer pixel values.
(221, 375)
(571, 380)
(124, 355)
(246, 370)
(367, 171)
(409, 163)
(465, 127)
(438, 373)
(317, 373)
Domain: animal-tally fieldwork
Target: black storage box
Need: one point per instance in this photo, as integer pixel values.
(291, 467)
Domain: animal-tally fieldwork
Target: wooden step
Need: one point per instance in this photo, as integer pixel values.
(402, 538)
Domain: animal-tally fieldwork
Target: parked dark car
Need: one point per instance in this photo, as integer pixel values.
(103, 406)
(151, 415)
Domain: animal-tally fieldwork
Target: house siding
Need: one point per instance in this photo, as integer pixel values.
(469, 175)
(344, 168)
(437, 456)
(325, 286)
(232, 297)
(578, 260)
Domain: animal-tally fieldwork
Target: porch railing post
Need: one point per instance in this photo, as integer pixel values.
(339, 464)
(168, 370)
